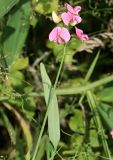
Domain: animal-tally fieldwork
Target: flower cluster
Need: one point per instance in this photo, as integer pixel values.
(70, 17)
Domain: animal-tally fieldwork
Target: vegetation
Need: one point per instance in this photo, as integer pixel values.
(56, 80)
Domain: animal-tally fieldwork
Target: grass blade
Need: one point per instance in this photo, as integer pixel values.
(91, 69)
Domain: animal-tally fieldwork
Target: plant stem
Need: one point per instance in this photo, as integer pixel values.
(40, 135)
(77, 90)
(60, 67)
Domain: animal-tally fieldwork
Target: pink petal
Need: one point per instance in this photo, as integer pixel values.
(73, 19)
(60, 40)
(59, 30)
(85, 37)
(70, 9)
(78, 19)
(79, 33)
(111, 133)
(65, 35)
(71, 16)
(77, 9)
(53, 35)
(65, 18)
(59, 35)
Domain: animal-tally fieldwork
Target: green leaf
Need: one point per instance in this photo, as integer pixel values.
(73, 123)
(53, 113)
(49, 150)
(20, 63)
(106, 95)
(94, 141)
(6, 5)
(106, 112)
(46, 7)
(42, 147)
(16, 78)
(92, 67)
(16, 31)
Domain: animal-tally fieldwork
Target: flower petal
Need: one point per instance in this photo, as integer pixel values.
(78, 19)
(79, 33)
(53, 35)
(70, 9)
(65, 18)
(59, 35)
(77, 9)
(85, 37)
(73, 23)
(65, 35)
(60, 40)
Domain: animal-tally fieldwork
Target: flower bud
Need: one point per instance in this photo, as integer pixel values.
(55, 17)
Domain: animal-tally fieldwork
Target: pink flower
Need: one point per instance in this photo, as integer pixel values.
(111, 133)
(59, 35)
(71, 16)
(81, 35)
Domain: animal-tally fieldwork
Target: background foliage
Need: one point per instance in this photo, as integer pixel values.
(83, 95)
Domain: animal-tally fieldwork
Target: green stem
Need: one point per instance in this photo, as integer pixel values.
(60, 67)
(40, 135)
(77, 90)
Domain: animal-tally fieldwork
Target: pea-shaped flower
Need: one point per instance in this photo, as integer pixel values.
(81, 35)
(59, 35)
(71, 16)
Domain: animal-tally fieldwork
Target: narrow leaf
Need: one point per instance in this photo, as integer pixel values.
(42, 147)
(106, 112)
(106, 94)
(91, 69)
(53, 113)
(6, 5)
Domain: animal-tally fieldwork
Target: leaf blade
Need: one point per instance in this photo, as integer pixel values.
(6, 5)
(16, 31)
(106, 112)
(53, 113)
